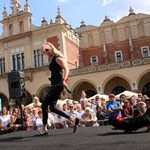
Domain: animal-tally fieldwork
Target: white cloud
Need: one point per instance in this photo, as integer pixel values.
(106, 2)
(119, 9)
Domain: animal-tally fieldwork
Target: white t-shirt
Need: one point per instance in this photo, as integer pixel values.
(5, 120)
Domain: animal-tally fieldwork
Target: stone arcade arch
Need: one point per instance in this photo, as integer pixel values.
(146, 89)
(86, 86)
(13, 102)
(116, 85)
(4, 100)
(25, 100)
(144, 83)
(41, 93)
(28, 98)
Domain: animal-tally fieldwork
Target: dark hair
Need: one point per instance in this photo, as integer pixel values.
(122, 95)
(147, 100)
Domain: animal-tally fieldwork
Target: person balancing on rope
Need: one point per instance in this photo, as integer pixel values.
(59, 76)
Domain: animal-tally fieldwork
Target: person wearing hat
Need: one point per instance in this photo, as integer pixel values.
(140, 109)
(114, 107)
(88, 118)
(59, 77)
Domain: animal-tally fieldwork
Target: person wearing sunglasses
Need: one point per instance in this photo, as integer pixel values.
(59, 77)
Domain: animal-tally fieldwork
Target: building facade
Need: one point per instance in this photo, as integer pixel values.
(111, 57)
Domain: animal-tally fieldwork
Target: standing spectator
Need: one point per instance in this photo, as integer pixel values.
(36, 102)
(83, 96)
(83, 100)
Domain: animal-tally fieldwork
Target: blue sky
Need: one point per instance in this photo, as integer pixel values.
(92, 12)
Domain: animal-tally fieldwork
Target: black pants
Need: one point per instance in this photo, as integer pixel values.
(51, 101)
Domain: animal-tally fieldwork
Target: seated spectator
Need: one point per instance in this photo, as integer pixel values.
(123, 97)
(79, 110)
(68, 102)
(97, 103)
(28, 122)
(128, 110)
(5, 121)
(133, 100)
(60, 122)
(75, 103)
(72, 112)
(16, 120)
(50, 121)
(38, 121)
(93, 105)
(104, 105)
(100, 115)
(88, 118)
(34, 115)
(65, 107)
(114, 107)
(140, 109)
(147, 101)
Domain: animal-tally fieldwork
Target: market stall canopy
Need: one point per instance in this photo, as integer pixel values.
(100, 95)
(127, 93)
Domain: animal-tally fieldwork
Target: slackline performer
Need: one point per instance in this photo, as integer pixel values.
(59, 76)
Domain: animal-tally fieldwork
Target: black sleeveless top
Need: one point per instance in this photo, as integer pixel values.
(56, 71)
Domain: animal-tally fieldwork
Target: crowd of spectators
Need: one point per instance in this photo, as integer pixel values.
(91, 112)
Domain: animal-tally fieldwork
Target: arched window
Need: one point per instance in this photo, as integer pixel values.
(118, 89)
(146, 89)
(90, 93)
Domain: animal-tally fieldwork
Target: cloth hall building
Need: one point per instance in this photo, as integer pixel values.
(109, 58)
